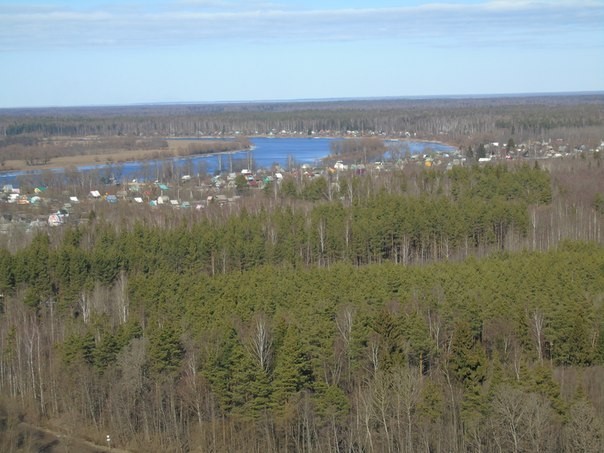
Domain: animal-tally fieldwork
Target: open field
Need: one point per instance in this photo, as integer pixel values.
(90, 159)
(101, 155)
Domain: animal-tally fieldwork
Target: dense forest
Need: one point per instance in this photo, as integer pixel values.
(420, 310)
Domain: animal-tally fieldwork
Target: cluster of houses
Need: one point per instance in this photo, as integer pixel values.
(47, 207)
(546, 149)
(196, 193)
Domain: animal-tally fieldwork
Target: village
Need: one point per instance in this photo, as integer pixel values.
(31, 207)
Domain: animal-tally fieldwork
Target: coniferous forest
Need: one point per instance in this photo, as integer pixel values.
(425, 310)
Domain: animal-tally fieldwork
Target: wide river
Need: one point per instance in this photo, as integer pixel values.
(265, 153)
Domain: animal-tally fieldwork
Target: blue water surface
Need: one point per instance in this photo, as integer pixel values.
(265, 152)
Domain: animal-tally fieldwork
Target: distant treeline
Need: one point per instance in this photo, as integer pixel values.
(454, 119)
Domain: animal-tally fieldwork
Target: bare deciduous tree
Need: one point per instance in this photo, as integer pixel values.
(584, 431)
(260, 341)
(521, 421)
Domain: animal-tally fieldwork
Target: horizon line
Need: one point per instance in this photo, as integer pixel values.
(322, 100)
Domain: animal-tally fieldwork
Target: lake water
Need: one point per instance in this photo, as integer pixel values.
(266, 152)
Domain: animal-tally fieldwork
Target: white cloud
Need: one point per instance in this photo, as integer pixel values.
(194, 21)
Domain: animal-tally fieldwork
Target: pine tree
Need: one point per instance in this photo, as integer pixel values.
(7, 277)
(165, 350)
(292, 368)
(469, 365)
(249, 385)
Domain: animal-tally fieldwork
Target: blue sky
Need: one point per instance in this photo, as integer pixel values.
(109, 52)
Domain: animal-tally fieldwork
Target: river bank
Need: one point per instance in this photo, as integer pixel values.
(263, 153)
(178, 148)
(67, 162)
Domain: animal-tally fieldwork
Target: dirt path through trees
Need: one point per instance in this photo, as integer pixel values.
(58, 442)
